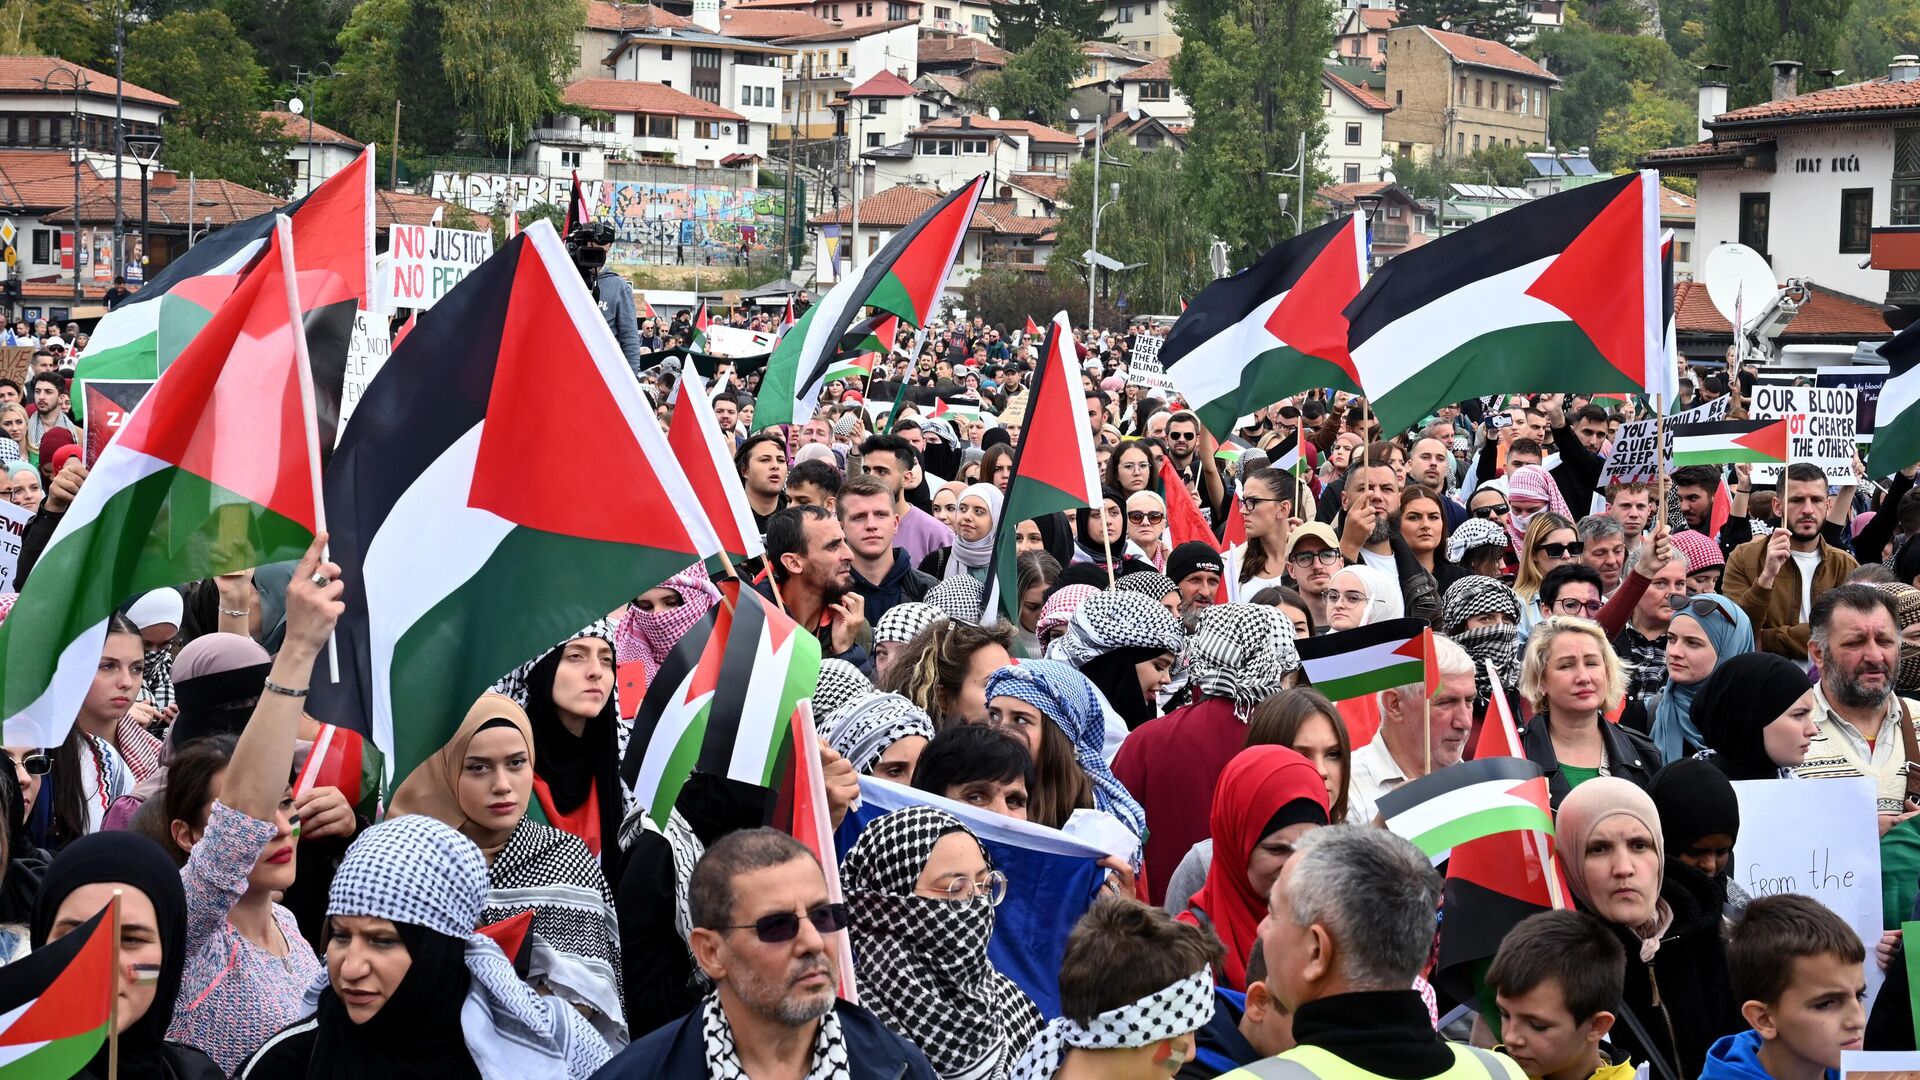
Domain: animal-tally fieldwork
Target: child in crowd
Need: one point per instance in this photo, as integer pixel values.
(1557, 980)
(1798, 971)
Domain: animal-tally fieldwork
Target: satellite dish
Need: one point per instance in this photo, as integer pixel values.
(1073, 114)
(296, 107)
(1735, 273)
(993, 114)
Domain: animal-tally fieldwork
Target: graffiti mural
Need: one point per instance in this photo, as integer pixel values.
(653, 221)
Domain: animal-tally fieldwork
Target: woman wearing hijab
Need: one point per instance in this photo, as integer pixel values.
(1361, 595)
(1699, 822)
(1677, 994)
(411, 989)
(1708, 631)
(481, 783)
(1267, 799)
(975, 515)
(1127, 646)
(879, 735)
(1102, 536)
(656, 621)
(569, 698)
(157, 616)
(1058, 611)
(1757, 714)
(922, 893)
(1056, 711)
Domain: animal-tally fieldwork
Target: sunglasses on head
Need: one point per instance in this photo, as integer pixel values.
(1561, 551)
(1492, 511)
(1697, 608)
(1146, 517)
(783, 926)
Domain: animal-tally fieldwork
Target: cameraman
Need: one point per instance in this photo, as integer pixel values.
(588, 244)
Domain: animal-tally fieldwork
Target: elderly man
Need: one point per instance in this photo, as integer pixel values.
(761, 926)
(1352, 913)
(1606, 548)
(1855, 642)
(1407, 746)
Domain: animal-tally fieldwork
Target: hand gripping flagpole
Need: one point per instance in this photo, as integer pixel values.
(283, 239)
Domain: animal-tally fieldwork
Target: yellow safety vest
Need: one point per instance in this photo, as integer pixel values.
(1314, 1063)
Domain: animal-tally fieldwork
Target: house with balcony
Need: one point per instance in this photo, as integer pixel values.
(1143, 25)
(1356, 128)
(969, 18)
(1097, 91)
(950, 152)
(738, 73)
(643, 122)
(1361, 39)
(1452, 94)
(1399, 221)
(998, 236)
(609, 21)
(822, 67)
(317, 152)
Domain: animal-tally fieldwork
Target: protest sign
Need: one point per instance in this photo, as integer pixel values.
(13, 525)
(1865, 380)
(108, 402)
(1820, 428)
(1143, 364)
(1632, 459)
(737, 341)
(1818, 838)
(15, 362)
(367, 352)
(425, 262)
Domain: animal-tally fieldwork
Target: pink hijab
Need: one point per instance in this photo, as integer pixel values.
(648, 636)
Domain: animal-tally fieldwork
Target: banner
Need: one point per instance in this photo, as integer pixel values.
(13, 525)
(1820, 428)
(367, 352)
(1865, 380)
(108, 403)
(425, 262)
(1818, 838)
(1632, 459)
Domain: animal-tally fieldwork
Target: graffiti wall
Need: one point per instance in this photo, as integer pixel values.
(653, 221)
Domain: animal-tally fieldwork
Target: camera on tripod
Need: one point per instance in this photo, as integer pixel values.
(587, 246)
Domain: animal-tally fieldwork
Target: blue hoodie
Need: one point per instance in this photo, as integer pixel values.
(1737, 1057)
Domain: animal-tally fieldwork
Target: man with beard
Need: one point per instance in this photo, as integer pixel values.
(1191, 452)
(761, 917)
(1431, 464)
(1371, 494)
(1776, 578)
(1195, 569)
(1855, 642)
(811, 573)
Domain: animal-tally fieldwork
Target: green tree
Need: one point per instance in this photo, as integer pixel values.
(1504, 21)
(432, 118)
(72, 30)
(1748, 35)
(1648, 121)
(1598, 72)
(1018, 23)
(196, 58)
(360, 102)
(1504, 165)
(506, 59)
(1149, 224)
(1037, 80)
(287, 34)
(1251, 70)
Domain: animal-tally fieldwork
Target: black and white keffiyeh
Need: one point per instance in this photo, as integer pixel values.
(903, 622)
(415, 869)
(923, 963)
(685, 848)
(959, 599)
(514, 683)
(1479, 595)
(1151, 584)
(865, 727)
(1243, 652)
(1118, 620)
(840, 683)
(1473, 533)
(723, 1059)
(1164, 1014)
(577, 953)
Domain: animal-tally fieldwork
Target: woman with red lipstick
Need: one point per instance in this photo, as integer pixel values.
(481, 783)
(1572, 678)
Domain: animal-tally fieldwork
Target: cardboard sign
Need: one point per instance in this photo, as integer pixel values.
(109, 403)
(1818, 838)
(425, 262)
(367, 352)
(13, 525)
(737, 341)
(15, 362)
(1821, 425)
(1635, 459)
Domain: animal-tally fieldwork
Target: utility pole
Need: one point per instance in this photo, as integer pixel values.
(120, 143)
(1093, 242)
(793, 157)
(393, 161)
(855, 172)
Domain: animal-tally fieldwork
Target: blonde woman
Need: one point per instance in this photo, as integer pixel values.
(13, 428)
(1147, 527)
(1571, 678)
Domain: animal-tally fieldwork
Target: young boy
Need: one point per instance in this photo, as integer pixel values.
(1798, 971)
(1556, 981)
(1245, 1027)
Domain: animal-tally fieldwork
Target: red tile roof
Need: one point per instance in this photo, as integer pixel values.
(1878, 96)
(764, 24)
(1039, 133)
(961, 50)
(297, 128)
(1346, 193)
(607, 15)
(897, 207)
(41, 179)
(1046, 185)
(1115, 51)
(1160, 70)
(621, 96)
(1715, 149)
(23, 75)
(1001, 218)
(1379, 18)
(399, 207)
(848, 33)
(952, 85)
(1675, 204)
(884, 85)
(1480, 52)
(764, 4)
(1825, 314)
(1364, 97)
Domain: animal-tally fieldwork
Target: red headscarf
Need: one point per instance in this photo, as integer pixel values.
(1253, 788)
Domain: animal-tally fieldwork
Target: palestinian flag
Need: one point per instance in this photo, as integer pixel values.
(906, 279)
(698, 343)
(56, 1004)
(1053, 467)
(1369, 659)
(446, 519)
(802, 813)
(332, 230)
(1032, 330)
(723, 703)
(957, 409)
(577, 214)
(1466, 802)
(786, 321)
(852, 369)
(1563, 291)
(1287, 457)
(215, 471)
(694, 435)
(1723, 441)
(1184, 522)
(342, 759)
(645, 305)
(1896, 419)
(1495, 881)
(1271, 330)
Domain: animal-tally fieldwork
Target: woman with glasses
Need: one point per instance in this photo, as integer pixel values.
(1571, 678)
(1706, 631)
(922, 892)
(1147, 528)
(1360, 595)
(1548, 541)
(1101, 536)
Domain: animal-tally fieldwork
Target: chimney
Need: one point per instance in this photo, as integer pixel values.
(1905, 68)
(706, 15)
(1786, 79)
(1713, 102)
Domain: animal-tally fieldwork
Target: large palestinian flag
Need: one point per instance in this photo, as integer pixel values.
(1896, 419)
(1721, 441)
(214, 472)
(695, 437)
(468, 547)
(1274, 329)
(56, 1004)
(1053, 467)
(905, 279)
(1560, 293)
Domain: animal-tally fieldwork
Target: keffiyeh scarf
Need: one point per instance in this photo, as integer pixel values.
(550, 873)
(1473, 533)
(1164, 1014)
(1065, 697)
(903, 622)
(723, 1060)
(959, 598)
(1059, 608)
(1535, 483)
(1149, 583)
(649, 636)
(1242, 652)
(1478, 595)
(1118, 620)
(923, 962)
(840, 683)
(865, 727)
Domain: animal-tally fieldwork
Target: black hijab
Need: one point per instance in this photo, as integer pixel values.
(573, 765)
(1733, 707)
(1056, 536)
(1695, 801)
(138, 863)
(416, 1034)
(1115, 675)
(1092, 546)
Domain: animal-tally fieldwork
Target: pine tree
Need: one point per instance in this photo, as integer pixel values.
(1748, 35)
(1504, 21)
(1017, 23)
(432, 118)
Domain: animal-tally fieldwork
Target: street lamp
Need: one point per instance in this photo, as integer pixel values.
(145, 150)
(1093, 241)
(323, 71)
(79, 81)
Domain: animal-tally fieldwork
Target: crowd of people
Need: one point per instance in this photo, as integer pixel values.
(512, 911)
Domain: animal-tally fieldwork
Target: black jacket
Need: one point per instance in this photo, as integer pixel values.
(1681, 997)
(1419, 591)
(678, 1052)
(903, 584)
(1630, 756)
(1578, 472)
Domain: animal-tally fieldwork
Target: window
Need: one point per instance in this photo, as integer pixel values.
(1756, 209)
(569, 159)
(1399, 98)
(1146, 9)
(1149, 141)
(1856, 221)
(706, 129)
(1460, 144)
(1478, 86)
(668, 83)
(843, 58)
(896, 12)
(45, 243)
(982, 24)
(708, 92)
(1353, 134)
(1380, 45)
(662, 127)
(973, 146)
(666, 52)
(1683, 251)
(1393, 210)
(707, 58)
(1476, 144)
(876, 106)
(1156, 90)
(1463, 89)
(943, 13)
(873, 243)
(744, 131)
(1126, 13)
(936, 147)
(873, 139)
(746, 95)
(786, 102)
(1350, 173)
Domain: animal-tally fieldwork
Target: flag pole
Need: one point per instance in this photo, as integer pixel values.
(1106, 542)
(1426, 714)
(113, 1000)
(303, 362)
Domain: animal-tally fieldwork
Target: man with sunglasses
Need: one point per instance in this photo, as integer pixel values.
(761, 934)
(1191, 449)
